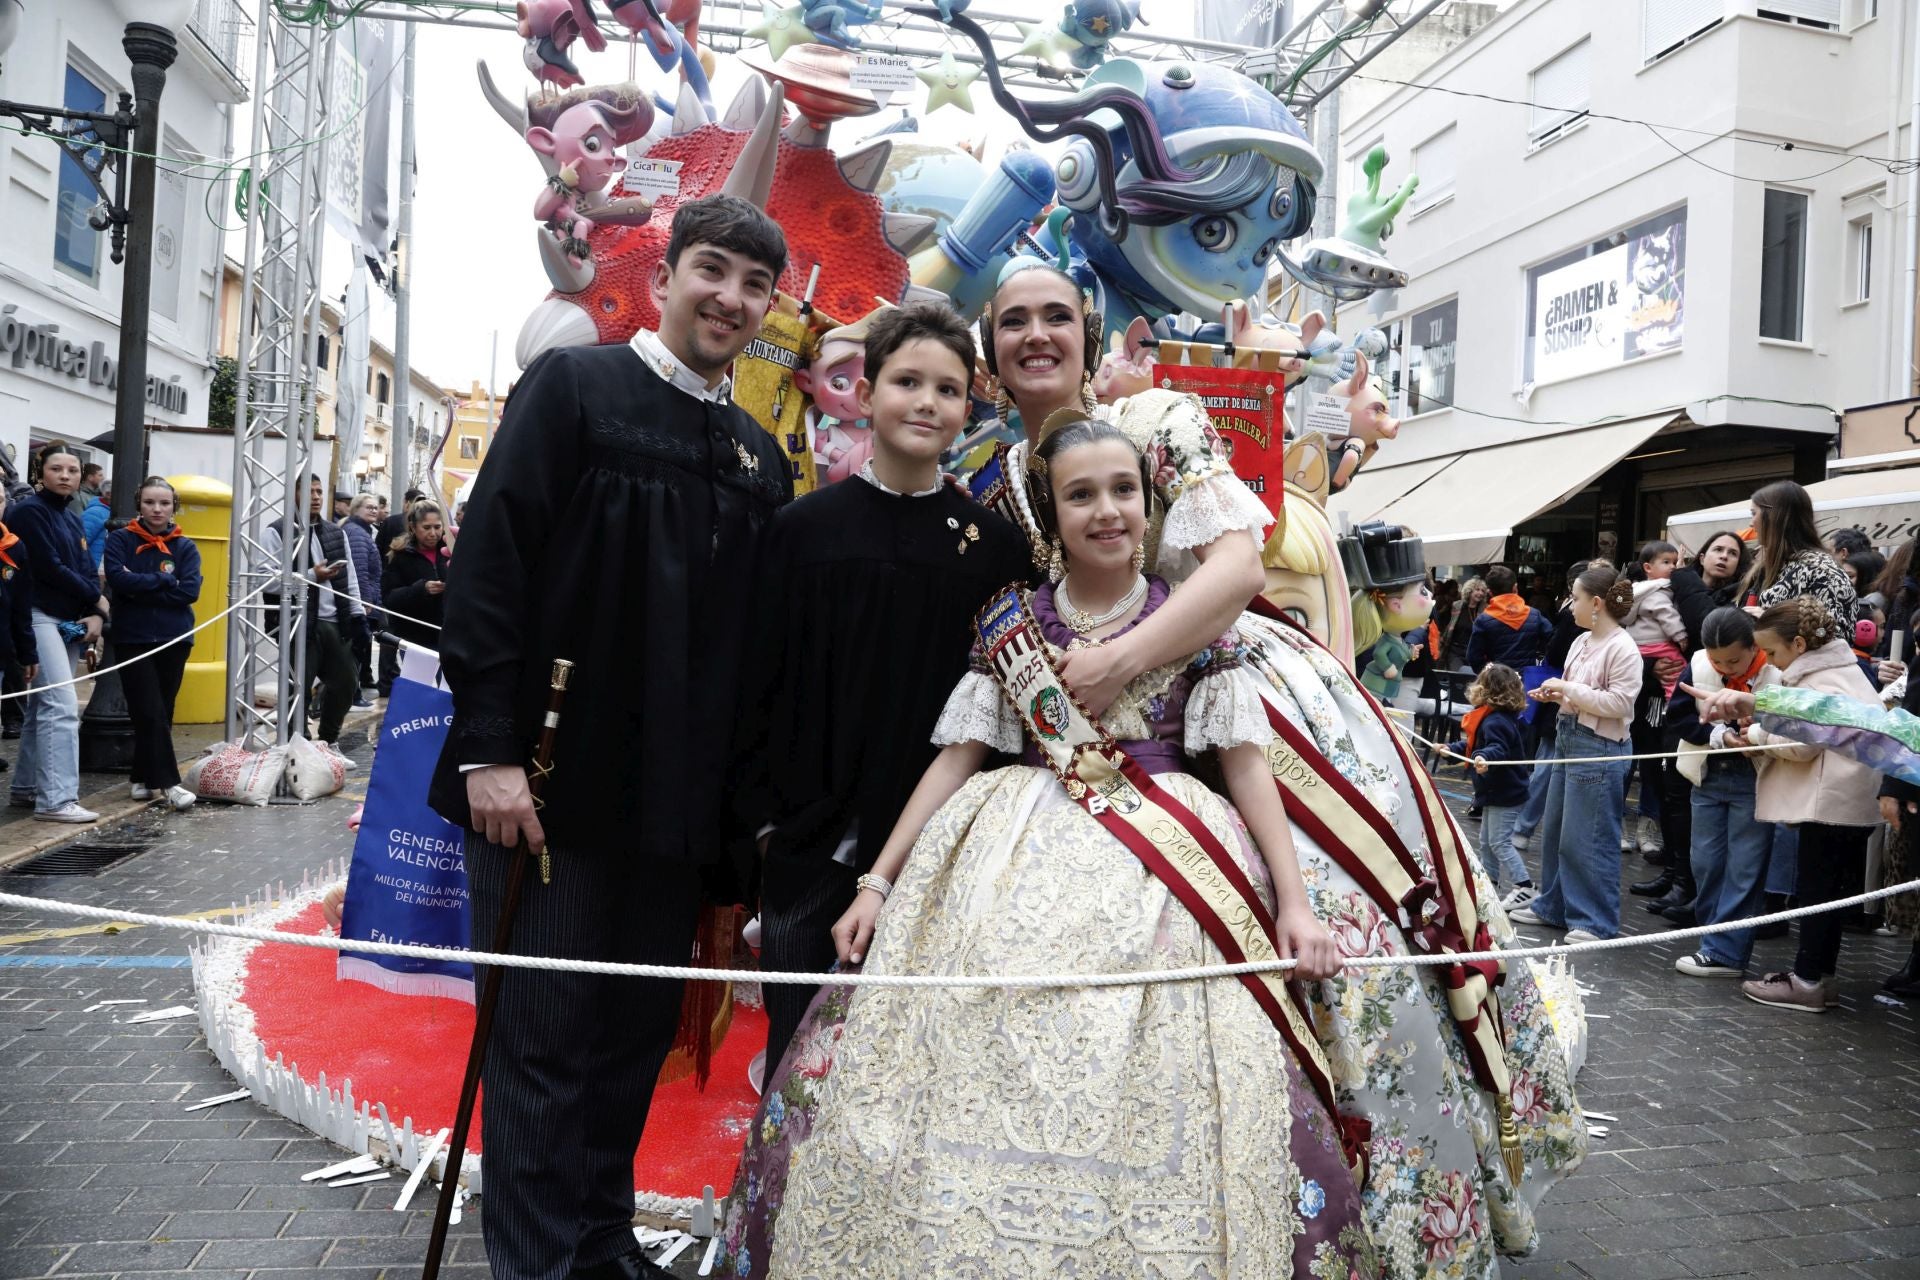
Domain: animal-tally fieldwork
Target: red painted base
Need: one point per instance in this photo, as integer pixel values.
(408, 1052)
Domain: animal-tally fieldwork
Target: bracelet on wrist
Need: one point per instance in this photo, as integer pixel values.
(875, 883)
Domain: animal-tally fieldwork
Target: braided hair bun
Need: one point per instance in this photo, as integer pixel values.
(1614, 592)
(1805, 618)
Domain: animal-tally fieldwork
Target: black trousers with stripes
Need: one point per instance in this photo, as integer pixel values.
(570, 1071)
(800, 898)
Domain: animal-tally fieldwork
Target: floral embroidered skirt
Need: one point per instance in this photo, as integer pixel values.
(1154, 1131)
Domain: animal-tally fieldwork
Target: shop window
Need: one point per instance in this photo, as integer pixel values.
(1433, 160)
(1783, 264)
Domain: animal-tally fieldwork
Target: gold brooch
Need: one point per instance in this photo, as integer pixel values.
(747, 460)
(973, 533)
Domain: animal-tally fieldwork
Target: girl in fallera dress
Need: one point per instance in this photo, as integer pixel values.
(1113, 1131)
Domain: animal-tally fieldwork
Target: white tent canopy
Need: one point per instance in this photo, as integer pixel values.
(1884, 504)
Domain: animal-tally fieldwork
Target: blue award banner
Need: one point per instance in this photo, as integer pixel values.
(408, 881)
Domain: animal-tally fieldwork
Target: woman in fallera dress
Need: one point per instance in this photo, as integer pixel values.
(1440, 1197)
(1174, 1129)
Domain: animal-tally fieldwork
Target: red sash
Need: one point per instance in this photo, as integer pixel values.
(1436, 914)
(1168, 838)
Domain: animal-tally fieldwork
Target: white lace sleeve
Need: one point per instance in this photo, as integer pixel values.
(1208, 509)
(977, 711)
(1226, 710)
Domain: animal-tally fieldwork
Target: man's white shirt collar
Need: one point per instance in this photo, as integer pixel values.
(647, 345)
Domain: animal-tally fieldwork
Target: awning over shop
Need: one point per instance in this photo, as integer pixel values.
(1884, 504)
(1466, 505)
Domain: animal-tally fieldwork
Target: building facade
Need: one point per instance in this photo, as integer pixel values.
(476, 416)
(1656, 245)
(59, 289)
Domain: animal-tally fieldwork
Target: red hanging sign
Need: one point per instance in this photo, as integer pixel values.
(1246, 406)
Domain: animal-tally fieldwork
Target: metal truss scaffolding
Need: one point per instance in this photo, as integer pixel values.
(1329, 43)
(274, 415)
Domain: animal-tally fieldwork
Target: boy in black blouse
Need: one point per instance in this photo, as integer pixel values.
(869, 589)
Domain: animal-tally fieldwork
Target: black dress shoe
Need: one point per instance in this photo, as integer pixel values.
(1681, 915)
(631, 1265)
(1656, 857)
(1654, 888)
(1907, 976)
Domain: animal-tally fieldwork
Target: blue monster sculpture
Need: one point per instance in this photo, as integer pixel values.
(1186, 181)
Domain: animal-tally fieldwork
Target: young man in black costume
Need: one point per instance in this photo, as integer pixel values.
(616, 524)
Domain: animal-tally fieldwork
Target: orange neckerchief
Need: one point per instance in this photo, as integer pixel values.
(1744, 683)
(1470, 725)
(1433, 640)
(158, 541)
(7, 539)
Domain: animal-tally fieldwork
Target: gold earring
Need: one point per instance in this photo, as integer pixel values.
(1140, 556)
(1086, 392)
(1056, 561)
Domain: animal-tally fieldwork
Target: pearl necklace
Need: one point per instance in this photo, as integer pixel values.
(1084, 622)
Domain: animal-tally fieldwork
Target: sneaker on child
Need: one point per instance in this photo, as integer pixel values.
(1582, 935)
(1702, 965)
(180, 798)
(68, 812)
(1787, 991)
(1517, 897)
(140, 791)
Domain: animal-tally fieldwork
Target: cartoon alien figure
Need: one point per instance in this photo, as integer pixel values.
(842, 441)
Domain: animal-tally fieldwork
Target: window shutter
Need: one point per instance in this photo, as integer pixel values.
(1827, 11)
(1433, 163)
(1561, 90)
(1665, 23)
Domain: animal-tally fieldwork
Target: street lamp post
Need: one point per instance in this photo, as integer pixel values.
(128, 141)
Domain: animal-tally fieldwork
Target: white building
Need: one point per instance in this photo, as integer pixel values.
(1655, 245)
(55, 270)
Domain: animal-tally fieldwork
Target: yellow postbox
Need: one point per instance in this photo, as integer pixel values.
(205, 514)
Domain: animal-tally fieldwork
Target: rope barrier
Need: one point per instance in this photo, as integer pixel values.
(1148, 977)
(96, 674)
(1648, 755)
(372, 608)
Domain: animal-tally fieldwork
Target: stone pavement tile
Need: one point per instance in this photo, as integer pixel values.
(21, 1177)
(181, 1129)
(1524, 1269)
(1632, 1209)
(97, 1153)
(1885, 1269)
(339, 1273)
(260, 1150)
(1639, 1266)
(258, 1254)
(1902, 1211)
(195, 1274)
(181, 1199)
(1830, 1271)
(1738, 1200)
(256, 1173)
(131, 1173)
(342, 1223)
(32, 1260)
(399, 1252)
(146, 1255)
(87, 1228)
(1893, 1242)
(234, 1224)
(28, 1204)
(308, 1196)
(1660, 1182)
(1832, 1191)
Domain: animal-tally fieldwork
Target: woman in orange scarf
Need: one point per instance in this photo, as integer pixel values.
(153, 578)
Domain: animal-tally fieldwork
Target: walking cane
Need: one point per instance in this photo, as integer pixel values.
(490, 987)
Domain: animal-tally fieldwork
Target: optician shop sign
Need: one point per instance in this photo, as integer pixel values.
(42, 347)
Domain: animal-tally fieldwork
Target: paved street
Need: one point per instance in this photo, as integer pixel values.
(1750, 1142)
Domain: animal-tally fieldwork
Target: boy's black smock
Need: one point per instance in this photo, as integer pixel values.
(615, 524)
(866, 610)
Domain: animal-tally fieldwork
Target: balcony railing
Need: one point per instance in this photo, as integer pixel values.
(226, 32)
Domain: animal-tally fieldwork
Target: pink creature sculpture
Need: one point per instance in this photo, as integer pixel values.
(1127, 369)
(550, 27)
(842, 441)
(578, 136)
(1368, 423)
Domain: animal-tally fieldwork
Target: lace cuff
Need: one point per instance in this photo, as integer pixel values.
(1209, 508)
(977, 711)
(1226, 710)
